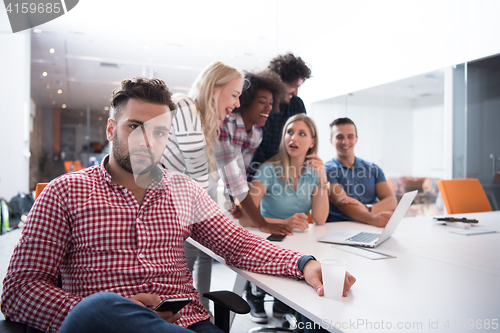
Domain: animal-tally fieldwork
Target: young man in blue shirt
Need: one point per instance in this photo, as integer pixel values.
(358, 189)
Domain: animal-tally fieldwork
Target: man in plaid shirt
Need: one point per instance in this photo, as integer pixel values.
(115, 234)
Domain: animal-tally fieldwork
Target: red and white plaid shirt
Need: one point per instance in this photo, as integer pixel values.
(94, 233)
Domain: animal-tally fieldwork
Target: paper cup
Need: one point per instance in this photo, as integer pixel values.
(333, 271)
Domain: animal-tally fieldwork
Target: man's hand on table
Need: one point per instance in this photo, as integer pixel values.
(150, 301)
(313, 276)
(381, 219)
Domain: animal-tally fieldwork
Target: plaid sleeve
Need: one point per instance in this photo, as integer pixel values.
(224, 135)
(229, 163)
(29, 293)
(236, 245)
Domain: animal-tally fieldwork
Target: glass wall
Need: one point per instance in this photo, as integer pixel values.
(439, 125)
(482, 149)
(401, 128)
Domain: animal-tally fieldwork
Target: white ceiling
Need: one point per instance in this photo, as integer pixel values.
(175, 40)
(171, 40)
(413, 88)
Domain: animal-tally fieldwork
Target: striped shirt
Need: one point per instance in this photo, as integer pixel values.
(95, 233)
(186, 147)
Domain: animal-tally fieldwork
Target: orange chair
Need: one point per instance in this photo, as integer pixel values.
(67, 165)
(463, 196)
(310, 218)
(39, 189)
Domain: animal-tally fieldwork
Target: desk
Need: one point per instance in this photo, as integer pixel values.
(437, 279)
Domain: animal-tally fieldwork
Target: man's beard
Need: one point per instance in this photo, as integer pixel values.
(122, 157)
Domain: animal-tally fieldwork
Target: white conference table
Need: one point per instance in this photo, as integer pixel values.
(439, 281)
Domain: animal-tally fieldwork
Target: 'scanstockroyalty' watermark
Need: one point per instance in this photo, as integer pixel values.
(28, 14)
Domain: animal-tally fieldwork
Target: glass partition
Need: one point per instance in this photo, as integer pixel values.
(400, 128)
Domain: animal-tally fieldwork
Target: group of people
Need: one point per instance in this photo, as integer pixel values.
(116, 232)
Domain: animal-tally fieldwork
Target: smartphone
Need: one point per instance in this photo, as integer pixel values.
(173, 304)
(276, 237)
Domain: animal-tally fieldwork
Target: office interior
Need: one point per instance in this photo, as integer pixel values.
(419, 78)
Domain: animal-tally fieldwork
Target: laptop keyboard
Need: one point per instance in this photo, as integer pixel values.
(364, 237)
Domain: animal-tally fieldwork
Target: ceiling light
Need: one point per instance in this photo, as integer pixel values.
(47, 86)
(52, 50)
(51, 95)
(81, 114)
(106, 108)
(59, 91)
(100, 118)
(146, 47)
(53, 102)
(210, 54)
(37, 31)
(110, 64)
(64, 106)
(44, 74)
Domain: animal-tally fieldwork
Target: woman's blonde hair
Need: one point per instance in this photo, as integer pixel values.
(204, 94)
(282, 158)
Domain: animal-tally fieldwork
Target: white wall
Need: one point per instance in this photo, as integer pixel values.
(403, 136)
(384, 130)
(353, 45)
(428, 137)
(14, 109)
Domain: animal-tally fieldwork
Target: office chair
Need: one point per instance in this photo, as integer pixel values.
(224, 303)
(463, 196)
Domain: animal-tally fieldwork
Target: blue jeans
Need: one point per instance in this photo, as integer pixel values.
(108, 313)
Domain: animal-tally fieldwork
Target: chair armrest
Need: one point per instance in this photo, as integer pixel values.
(229, 300)
(7, 326)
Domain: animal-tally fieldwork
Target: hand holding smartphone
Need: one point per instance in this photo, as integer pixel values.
(172, 304)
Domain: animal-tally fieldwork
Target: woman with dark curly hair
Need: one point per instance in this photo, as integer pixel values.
(242, 128)
(293, 71)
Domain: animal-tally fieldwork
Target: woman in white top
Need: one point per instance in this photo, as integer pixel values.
(214, 94)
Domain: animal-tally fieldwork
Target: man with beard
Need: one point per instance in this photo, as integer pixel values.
(115, 234)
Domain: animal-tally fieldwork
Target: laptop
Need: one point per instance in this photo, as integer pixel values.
(371, 239)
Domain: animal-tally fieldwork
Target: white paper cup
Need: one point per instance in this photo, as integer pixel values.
(333, 271)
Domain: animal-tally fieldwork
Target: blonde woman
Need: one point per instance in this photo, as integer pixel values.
(293, 182)
(287, 187)
(214, 94)
(193, 134)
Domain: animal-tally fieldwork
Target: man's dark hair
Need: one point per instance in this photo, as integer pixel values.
(264, 80)
(149, 90)
(290, 68)
(343, 121)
